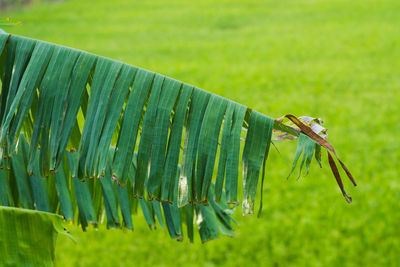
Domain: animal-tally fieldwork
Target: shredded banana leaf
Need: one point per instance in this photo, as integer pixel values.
(89, 138)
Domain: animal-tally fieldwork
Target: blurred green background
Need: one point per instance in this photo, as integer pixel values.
(337, 60)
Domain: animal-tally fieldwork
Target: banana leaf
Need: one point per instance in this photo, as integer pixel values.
(28, 237)
(85, 136)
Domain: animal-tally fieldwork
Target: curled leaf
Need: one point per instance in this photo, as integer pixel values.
(323, 142)
(337, 177)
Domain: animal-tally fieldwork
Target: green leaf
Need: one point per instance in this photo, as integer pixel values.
(26, 89)
(197, 109)
(146, 139)
(129, 129)
(105, 75)
(27, 237)
(114, 109)
(124, 204)
(174, 146)
(22, 180)
(225, 144)
(63, 190)
(17, 58)
(189, 216)
(156, 210)
(110, 200)
(307, 147)
(47, 94)
(208, 144)
(83, 196)
(77, 91)
(3, 41)
(256, 148)
(232, 161)
(6, 198)
(60, 101)
(172, 220)
(146, 212)
(169, 93)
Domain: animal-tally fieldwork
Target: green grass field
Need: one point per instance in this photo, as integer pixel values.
(338, 60)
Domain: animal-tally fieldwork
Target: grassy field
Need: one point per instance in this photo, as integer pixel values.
(338, 60)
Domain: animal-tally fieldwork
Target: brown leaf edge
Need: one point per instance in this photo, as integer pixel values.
(323, 142)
